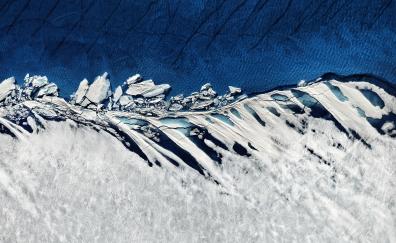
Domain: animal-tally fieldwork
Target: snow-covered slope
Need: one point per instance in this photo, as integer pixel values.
(307, 163)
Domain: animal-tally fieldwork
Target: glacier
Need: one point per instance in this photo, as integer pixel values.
(306, 163)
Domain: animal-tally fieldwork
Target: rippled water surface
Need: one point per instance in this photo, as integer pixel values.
(256, 44)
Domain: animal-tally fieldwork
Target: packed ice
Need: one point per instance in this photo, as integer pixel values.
(297, 164)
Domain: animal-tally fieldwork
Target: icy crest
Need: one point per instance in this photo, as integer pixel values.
(34, 87)
(135, 95)
(146, 97)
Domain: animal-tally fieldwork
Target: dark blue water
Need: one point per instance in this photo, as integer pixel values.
(255, 44)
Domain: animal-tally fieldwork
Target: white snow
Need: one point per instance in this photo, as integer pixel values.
(85, 186)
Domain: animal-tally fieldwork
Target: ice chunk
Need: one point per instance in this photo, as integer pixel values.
(206, 86)
(157, 99)
(99, 89)
(134, 79)
(206, 92)
(35, 81)
(178, 97)
(125, 100)
(81, 91)
(6, 87)
(234, 90)
(175, 107)
(117, 94)
(202, 105)
(49, 90)
(157, 90)
(147, 89)
(140, 88)
(302, 83)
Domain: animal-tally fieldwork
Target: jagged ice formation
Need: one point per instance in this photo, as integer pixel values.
(313, 162)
